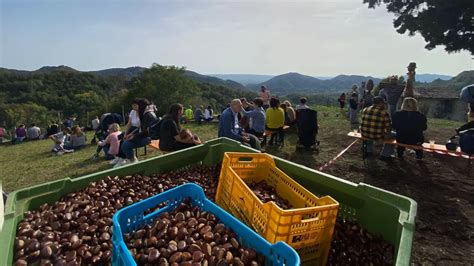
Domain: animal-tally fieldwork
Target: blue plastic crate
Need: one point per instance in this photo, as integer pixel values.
(132, 217)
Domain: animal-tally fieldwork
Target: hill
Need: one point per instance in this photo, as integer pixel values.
(213, 80)
(128, 72)
(456, 83)
(431, 77)
(295, 82)
(245, 79)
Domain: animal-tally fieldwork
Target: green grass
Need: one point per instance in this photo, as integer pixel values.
(32, 163)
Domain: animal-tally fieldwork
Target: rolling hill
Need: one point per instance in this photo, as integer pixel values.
(128, 73)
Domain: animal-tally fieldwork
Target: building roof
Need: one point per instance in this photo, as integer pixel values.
(435, 93)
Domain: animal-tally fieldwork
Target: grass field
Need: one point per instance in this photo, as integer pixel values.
(443, 186)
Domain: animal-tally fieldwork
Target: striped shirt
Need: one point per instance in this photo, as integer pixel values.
(375, 123)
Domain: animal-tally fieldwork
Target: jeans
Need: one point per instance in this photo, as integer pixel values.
(129, 145)
(254, 142)
(387, 149)
(253, 132)
(106, 152)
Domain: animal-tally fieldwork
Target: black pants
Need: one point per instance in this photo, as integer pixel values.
(255, 133)
(281, 136)
(401, 150)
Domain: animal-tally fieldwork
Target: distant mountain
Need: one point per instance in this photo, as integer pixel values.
(295, 82)
(244, 79)
(431, 77)
(457, 83)
(128, 72)
(213, 80)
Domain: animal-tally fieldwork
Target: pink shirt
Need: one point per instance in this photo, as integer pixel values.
(113, 141)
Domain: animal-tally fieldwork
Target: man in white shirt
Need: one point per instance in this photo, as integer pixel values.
(95, 123)
(302, 104)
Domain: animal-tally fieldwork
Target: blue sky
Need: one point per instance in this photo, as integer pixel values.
(321, 37)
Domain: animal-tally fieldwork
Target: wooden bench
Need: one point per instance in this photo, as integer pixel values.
(433, 148)
(155, 144)
(271, 132)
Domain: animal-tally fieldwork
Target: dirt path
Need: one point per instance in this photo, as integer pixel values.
(443, 187)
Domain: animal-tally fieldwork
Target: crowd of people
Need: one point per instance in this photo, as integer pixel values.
(381, 119)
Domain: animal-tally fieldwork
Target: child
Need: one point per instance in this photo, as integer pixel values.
(111, 144)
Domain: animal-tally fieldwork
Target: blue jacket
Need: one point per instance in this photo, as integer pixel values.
(227, 127)
(258, 119)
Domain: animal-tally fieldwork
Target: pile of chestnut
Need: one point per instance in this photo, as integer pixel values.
(189, 236)
(267, 193)
(77, 229)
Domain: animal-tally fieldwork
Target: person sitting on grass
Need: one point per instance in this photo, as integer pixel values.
(229, 126)
(20, 133)
(376, 126)
(111, 144)
(172, 137)
(77, 140)
(275, 120)
(409, 125)
(198, 116)
(208, 114)
(33, 132)
(60, 139)
(188, 114)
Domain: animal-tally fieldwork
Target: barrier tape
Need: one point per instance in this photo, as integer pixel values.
(337, 156)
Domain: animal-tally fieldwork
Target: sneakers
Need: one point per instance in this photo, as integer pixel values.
(135, 160)
(115, 160)
(121, 162)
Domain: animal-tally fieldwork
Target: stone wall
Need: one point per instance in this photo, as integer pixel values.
(452, 109)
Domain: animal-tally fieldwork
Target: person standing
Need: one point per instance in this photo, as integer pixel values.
(353, 111)
(342, 103)
(265, 95)
(391, 92)
(33, 132)
(409, 125)
(376, 126)
(229, 126)
(368, 98)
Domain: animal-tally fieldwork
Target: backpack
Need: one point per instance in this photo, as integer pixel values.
(466, 141)
(467, 94)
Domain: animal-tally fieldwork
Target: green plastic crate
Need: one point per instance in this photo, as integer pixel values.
(379, 211)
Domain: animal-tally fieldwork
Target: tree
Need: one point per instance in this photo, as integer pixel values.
(441, 22)
(163, 85)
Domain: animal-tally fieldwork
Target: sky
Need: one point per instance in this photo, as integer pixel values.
(319, 38)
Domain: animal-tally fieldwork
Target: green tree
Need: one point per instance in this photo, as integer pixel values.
(440, 22)
(163, 85)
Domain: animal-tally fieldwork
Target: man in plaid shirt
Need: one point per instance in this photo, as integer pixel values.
(375, 126)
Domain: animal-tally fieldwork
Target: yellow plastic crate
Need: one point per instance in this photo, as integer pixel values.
(308, 228)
